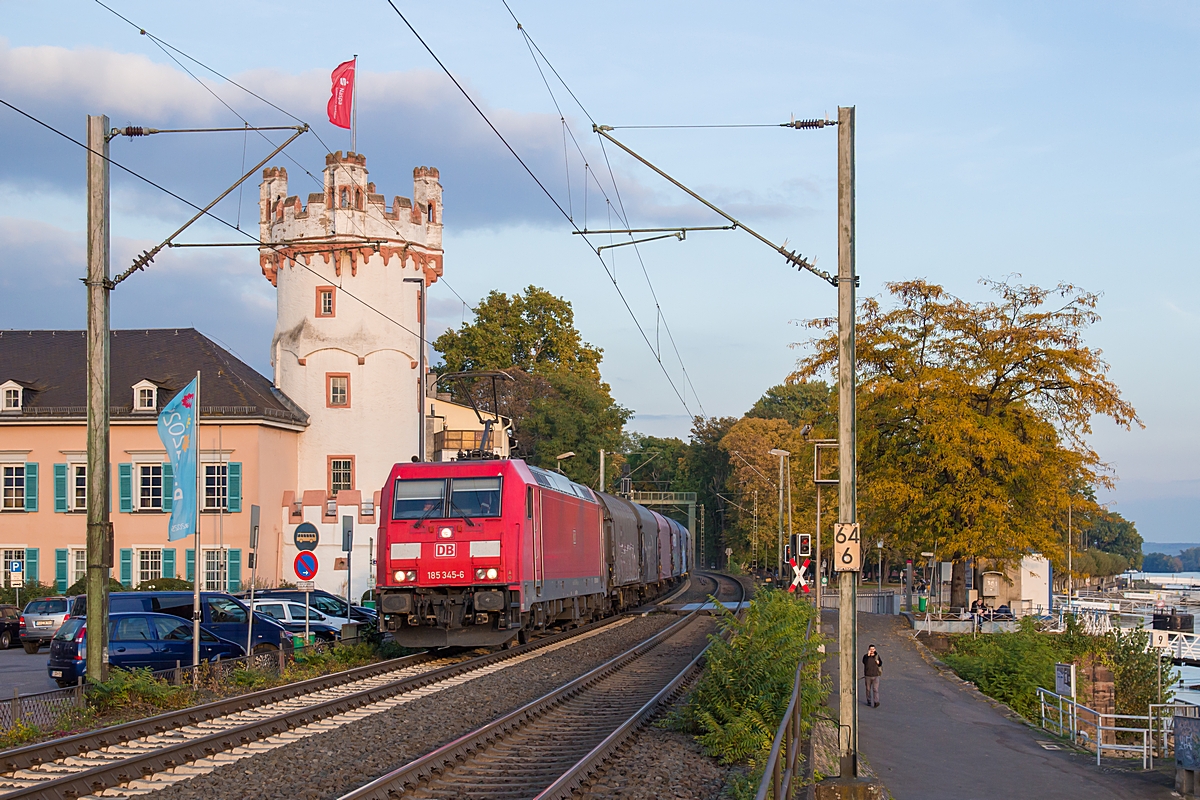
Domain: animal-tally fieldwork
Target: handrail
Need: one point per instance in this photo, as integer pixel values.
(787, 738)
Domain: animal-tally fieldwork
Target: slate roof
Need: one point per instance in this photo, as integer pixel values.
(51, 366)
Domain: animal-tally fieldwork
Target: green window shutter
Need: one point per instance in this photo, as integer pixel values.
(234, 486)
(235, 571)
(125, 491)
(127, 566)
(61, 558)
(168, 485)
(60, 489)
(168, 562)
(31, 564)
(31, 476)
(190, 555)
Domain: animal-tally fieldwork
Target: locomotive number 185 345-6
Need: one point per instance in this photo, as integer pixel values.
(446, 575)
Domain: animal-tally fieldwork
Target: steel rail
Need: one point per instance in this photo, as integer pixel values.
(589, 765)
(32, 755)
(141, 765)
(448, 755)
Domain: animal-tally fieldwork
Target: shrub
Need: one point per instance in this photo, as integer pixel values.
(80, 587)
(165, 585)
(137, 687)
(30, 591)
(747, 682)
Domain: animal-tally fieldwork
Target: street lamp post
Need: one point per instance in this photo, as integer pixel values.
(779, 565)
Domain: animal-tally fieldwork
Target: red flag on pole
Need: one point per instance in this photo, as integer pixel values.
(341, 97)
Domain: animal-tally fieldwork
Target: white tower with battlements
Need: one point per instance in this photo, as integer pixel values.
(349, 271)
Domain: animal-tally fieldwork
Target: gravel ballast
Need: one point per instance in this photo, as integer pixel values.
(330, 764)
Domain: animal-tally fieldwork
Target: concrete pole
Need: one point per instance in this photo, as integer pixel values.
(818, 572)
(847, 511)
(602, 469)
(99, 547)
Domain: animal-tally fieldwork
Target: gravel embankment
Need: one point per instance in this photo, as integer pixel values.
(330, 764)
(659, 763)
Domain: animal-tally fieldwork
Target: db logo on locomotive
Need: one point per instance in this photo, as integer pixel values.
(443, 550)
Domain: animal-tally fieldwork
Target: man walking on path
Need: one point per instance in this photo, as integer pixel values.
(872, 670)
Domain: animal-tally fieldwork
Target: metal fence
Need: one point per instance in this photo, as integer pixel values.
(779, 778)
(1068, 719)
(868, 602)
(43, 709)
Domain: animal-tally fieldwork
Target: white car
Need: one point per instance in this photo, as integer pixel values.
(291, 616)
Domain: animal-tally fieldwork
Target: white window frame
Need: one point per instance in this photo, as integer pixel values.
(12, 497)
(13, 554)
(145, 386)
(210, 502)
(221, 571)
(140, 573)
(12, 392)
(77, 566)
(137, 487)
(75, 471)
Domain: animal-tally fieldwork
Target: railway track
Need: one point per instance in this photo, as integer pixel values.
(156, 752)
(550, 747)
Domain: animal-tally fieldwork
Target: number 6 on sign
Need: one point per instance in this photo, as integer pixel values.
(846, 554)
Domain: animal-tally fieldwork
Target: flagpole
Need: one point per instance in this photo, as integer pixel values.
(196, 561)
(354, 109)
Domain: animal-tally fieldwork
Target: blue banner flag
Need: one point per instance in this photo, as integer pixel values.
(177, 429)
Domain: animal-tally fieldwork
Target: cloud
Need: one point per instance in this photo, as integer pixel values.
(405, 119)
(222, 295)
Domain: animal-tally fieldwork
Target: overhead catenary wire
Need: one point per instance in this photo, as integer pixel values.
(566, 215)
(270, 245)
(166, 46)
(659, 316)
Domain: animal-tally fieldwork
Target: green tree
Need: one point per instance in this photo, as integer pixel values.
(705, 470)
(557, 399)
(800, 403)
(1161, 562)
(973, 417)
(1112, 533)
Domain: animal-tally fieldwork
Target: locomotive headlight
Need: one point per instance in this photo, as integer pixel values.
(445, 533)
(480, 574)
(403, 575)
(399, 576)
(492, 573)
(411, 574)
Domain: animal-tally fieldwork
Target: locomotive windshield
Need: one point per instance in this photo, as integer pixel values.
(418, 499)
(475, 497)
(426, 499)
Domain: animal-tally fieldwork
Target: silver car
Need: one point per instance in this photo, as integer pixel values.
(41, 619)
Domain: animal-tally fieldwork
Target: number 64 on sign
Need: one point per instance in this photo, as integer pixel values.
(847, 557)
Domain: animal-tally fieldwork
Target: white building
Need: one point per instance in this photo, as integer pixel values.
(350, 271)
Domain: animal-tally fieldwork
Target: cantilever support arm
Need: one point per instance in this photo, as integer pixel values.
(142, 261)
(793, 258)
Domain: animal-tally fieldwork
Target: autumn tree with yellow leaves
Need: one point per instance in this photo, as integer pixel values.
(973, 418)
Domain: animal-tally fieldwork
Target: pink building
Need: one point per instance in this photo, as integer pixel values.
(248, 433)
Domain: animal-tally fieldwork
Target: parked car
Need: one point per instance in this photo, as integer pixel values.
(221, 613)
(10, 626)
(291, 616)
(41, 619)
(332, 606)
(135, 641)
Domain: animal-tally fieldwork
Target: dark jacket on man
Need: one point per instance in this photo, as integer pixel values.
(872, 666)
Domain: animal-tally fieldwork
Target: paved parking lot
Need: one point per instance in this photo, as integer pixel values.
(19, 670)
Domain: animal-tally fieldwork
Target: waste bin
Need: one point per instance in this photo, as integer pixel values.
(921, 603)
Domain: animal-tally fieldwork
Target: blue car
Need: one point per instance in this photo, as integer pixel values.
(135, 641)
(222, 614)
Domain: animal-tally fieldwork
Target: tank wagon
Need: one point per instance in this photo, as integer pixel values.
(476, 553)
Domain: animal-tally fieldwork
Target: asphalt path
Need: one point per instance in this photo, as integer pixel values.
(936, 739)
(24, 672)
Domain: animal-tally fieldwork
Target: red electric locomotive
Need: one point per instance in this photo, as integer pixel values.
(477, 552)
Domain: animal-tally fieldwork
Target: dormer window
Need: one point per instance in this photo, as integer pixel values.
(145, 397)
(12, 396)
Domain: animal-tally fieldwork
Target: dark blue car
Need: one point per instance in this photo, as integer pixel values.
(220, 613)
(135, 641)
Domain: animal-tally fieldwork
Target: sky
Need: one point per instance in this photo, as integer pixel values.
(1051, 141)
